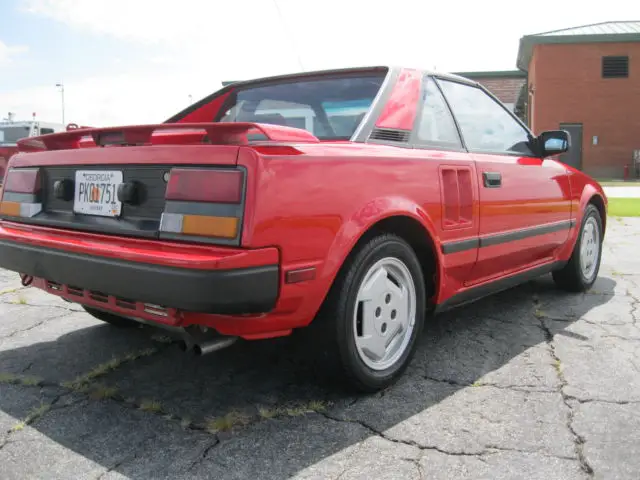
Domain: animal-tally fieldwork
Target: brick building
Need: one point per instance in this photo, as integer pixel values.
(506, 85)
(586, 80)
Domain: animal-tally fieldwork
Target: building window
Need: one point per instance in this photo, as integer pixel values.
(615, 67)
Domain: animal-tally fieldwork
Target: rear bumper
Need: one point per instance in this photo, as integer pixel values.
(243, 290)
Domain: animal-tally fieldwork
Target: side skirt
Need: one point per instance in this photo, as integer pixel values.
(476, 293)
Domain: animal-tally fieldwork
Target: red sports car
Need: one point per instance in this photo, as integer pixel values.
(348, 203)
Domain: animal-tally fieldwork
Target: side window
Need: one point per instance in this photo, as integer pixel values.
(486, 126)
(436, 127)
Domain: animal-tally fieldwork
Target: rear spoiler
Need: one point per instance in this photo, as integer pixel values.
(216, 133)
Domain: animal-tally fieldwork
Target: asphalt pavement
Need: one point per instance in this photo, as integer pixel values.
(532, 383)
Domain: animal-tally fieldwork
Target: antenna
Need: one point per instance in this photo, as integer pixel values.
(293, 43)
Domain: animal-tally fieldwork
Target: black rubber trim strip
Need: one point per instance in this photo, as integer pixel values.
(238, 291)
(500, 238)
(497, 239)
(476, 293)
(460, 245)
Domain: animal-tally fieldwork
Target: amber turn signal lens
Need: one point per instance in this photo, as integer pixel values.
(11, 209)
(225, 227)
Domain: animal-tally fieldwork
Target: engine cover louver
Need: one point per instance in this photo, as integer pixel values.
(390, 135)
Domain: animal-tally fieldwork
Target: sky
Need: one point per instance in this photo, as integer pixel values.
(141, 61)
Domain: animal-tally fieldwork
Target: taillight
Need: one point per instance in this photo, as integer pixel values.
(21, 193)
(23, 181)
(199, 185)
(203, 203)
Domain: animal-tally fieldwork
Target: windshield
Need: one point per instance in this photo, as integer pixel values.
(330, 108)
(10, 135)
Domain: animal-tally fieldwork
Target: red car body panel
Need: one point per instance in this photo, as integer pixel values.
(307, 204)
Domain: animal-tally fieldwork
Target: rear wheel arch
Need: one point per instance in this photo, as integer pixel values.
(417, 235)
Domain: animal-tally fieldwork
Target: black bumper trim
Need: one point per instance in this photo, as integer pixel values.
(239, 291)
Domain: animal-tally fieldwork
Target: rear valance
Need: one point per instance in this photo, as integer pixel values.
(214, 133)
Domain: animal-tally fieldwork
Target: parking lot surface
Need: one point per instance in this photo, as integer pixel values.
(532, 383)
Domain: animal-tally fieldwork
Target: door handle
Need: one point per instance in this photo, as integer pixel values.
(492, 179)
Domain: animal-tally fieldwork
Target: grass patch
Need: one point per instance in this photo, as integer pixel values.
(624, 207)
(151, 406)
(619, 183)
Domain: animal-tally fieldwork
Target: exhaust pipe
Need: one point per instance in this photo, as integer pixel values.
(213, 345)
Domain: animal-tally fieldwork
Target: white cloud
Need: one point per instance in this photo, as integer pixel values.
(9, 52)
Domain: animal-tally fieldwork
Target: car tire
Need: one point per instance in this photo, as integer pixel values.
(580, 273)
(111, 318)
(368, 327)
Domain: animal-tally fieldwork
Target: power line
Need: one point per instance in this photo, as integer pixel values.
(288, 32)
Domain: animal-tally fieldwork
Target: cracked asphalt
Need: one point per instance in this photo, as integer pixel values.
(532, 383)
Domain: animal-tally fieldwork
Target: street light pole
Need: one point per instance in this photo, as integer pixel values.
(61, 86)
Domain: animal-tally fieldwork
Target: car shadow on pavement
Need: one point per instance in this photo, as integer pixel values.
(132, 403)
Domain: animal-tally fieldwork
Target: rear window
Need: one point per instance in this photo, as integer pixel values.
(330, 108)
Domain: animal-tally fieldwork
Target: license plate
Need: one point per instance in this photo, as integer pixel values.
(97, 193)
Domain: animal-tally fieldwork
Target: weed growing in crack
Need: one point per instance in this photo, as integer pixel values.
(19, 301)
(151, 406)
(10, 290)
(267, 412)
(102, 392)
(26, 380)
(185, 422)
(82, 382)
(31, 417)
(313, 406)
(8, 378)
(539, 313)
(227, 422)
(558, 366)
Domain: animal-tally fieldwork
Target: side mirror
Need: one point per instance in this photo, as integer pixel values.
(554, 142)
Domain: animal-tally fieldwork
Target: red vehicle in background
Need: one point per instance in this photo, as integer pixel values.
(347, 203)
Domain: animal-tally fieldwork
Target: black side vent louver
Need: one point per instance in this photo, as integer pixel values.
(389, 135)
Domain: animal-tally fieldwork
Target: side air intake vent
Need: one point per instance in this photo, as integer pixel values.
(389, 135)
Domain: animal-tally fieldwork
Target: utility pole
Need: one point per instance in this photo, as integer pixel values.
(61, 87)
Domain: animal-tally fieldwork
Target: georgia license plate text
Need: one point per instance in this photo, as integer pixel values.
(96, 193)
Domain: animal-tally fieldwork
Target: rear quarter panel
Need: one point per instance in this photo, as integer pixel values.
(315, 207)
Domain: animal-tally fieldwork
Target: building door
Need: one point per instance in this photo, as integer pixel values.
(573, 157)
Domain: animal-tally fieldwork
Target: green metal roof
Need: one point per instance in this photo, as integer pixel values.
(628, 31)
(493, 74)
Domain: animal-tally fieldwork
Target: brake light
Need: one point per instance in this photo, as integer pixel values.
(203, 203)
(200, 185)
(23, 181)
(21, 192)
